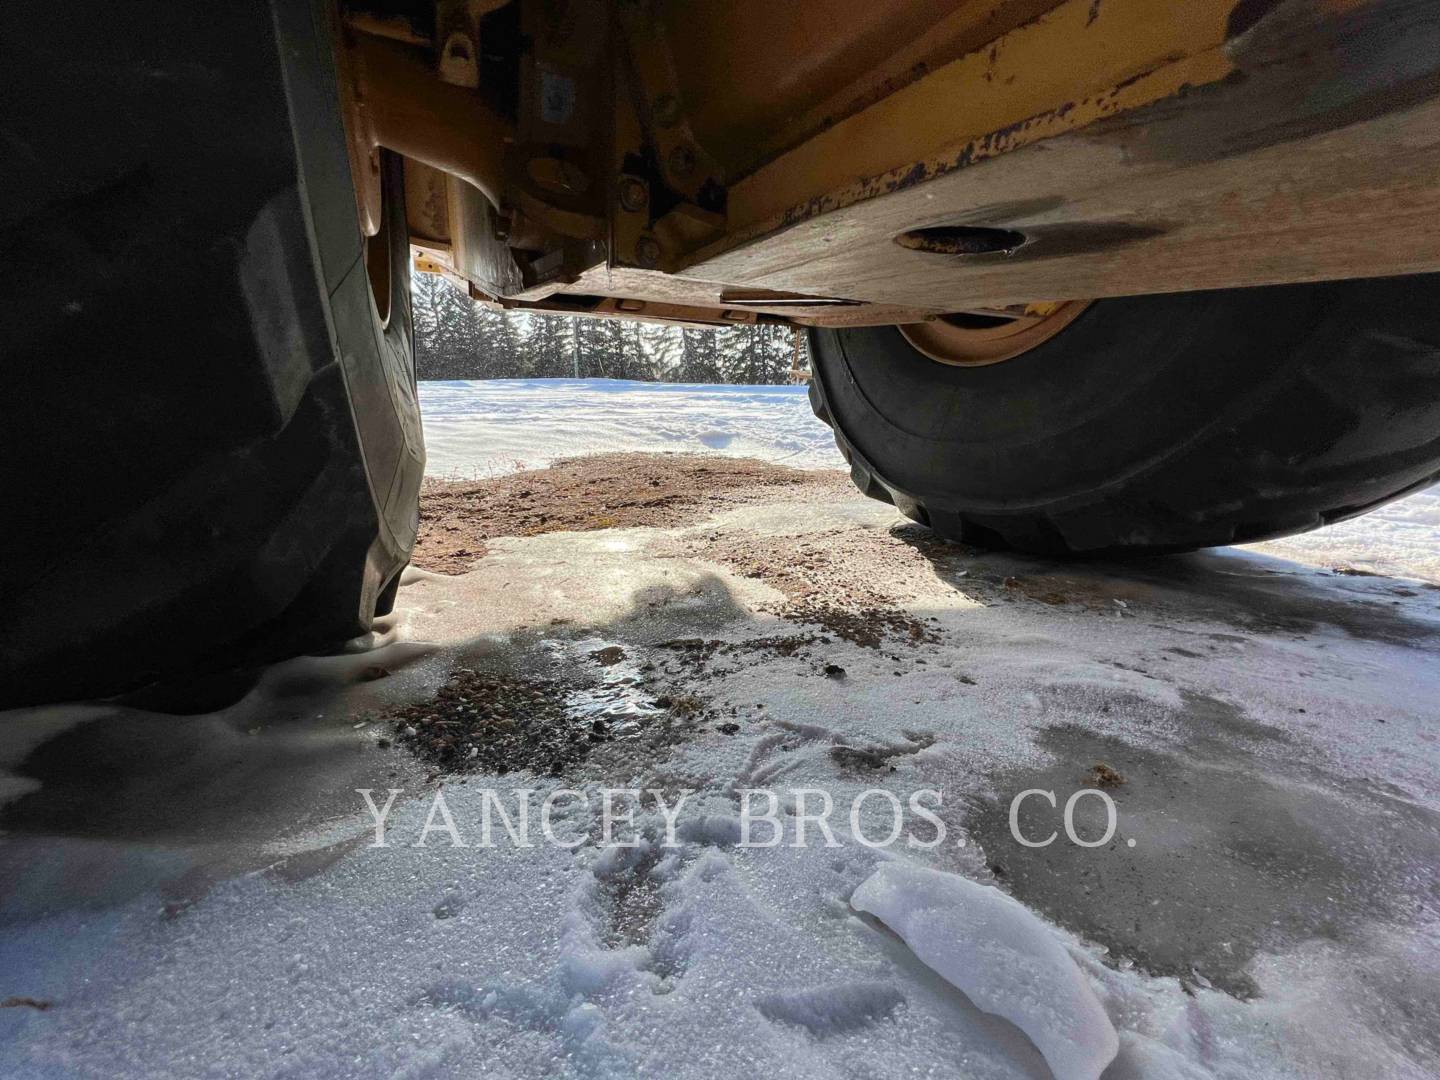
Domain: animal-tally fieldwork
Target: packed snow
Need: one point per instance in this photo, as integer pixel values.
(202, 895)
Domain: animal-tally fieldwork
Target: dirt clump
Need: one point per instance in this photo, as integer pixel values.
(854, 757)
(1103, 776)
(1346, 570)
(866, 627)
(25, 1003)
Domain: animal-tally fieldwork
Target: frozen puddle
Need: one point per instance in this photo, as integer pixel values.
(618, 699)
(544, 705)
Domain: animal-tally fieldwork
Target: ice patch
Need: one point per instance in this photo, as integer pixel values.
(999, 955)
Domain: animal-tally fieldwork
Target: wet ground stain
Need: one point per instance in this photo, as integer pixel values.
(483, 723)
(1229, 858)
(542, 707)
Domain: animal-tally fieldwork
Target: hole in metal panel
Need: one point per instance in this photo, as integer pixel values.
(961, 240)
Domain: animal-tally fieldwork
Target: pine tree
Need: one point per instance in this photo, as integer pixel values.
(457, 338)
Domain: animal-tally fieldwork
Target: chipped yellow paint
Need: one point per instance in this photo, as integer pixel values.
(1079, 63)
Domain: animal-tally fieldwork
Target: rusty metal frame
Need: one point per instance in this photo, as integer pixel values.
(1134, 145)
(1064, 70)
(1304, 145)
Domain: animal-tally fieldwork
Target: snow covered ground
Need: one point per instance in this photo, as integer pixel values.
(199, 896)
(1398, 539)
(477, 429)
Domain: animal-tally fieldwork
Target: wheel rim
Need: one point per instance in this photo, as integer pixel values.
(983, 336)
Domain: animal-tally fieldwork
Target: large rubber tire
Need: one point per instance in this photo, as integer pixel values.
(211, 442)
(1152, 423)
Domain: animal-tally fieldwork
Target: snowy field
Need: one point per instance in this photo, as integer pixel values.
(477, 429)
(480, 429)
(200, 896)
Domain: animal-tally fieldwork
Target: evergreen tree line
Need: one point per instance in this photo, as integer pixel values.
(456, 338)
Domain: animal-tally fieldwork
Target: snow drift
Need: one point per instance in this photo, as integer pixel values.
(1000, 956)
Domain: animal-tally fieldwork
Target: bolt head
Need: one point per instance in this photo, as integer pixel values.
(647, 252)
(633, 194)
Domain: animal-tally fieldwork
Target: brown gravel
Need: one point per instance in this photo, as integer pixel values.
(830, 581)
(603, 491)
(479, 722)
(707, 658)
